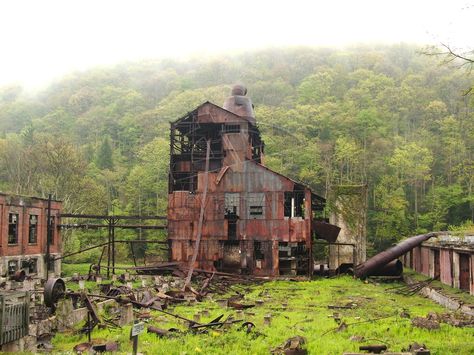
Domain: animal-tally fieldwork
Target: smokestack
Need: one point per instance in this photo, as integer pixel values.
(239, 104)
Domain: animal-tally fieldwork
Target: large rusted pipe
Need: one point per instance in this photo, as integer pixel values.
(393, 268)
(381, 259)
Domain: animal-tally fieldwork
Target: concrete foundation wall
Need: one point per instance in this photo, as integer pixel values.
(40, 265)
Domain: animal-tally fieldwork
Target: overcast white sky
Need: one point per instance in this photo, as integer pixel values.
(40, 40)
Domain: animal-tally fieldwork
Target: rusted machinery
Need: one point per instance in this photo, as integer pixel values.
(385, 263)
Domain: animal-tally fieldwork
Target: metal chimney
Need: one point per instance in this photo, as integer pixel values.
(239, 104)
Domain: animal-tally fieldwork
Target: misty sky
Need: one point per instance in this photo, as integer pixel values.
(41, 40)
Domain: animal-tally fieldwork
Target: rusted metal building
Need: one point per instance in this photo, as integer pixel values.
(23, 236)
(242, 216)
(449, 258)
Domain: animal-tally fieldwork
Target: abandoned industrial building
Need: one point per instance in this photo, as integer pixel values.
(24, 241)
(229, 216)
(447, 258)
(242, 216)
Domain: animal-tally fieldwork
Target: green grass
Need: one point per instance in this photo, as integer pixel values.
(307, 315)
(67, 270)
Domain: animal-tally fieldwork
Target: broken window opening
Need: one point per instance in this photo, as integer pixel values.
(184, 182)
(30, 265)
(188, 147)
(231, 210)
(256, 204)
(230, 261)
(294, 204)
(256, 210)
(293, 258)
(12, 266)
(12, 228)
(33, 229)
(257, 250)
(231, 203)
(50, 265)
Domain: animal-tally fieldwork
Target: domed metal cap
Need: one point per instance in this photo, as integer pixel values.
(239, 104)
(239, 90)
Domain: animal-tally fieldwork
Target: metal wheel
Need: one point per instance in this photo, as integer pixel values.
(54, 289)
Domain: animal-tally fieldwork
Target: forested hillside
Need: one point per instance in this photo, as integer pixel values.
(385, 116)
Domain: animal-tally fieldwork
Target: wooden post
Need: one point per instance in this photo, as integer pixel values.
(201, 217)
(135, 331)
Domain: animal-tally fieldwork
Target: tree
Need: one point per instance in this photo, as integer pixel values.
(104, 158)
(412, 164)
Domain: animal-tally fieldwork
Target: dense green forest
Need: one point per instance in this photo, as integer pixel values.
(386, 116)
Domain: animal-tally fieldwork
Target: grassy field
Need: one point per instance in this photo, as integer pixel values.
(305, 314)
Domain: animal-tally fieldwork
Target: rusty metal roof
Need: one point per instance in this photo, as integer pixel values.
(213, 104)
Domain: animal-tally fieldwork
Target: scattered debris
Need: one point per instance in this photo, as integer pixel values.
(342, 326)
(293, 346)
(454, 319)
(410, 290)
(248, 326)
(426, 323)
(357, 338)
(82, 348)
(107, 347)
(158, 331)
(405, 314)
(417, 349)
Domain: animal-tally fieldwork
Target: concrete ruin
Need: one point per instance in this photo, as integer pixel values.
(348, 205)
(448, 258)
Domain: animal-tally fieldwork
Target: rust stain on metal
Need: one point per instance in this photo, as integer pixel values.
(255, 220)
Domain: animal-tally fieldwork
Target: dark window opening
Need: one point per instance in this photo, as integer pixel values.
(293, 258)
(188, 148)
(33, 229)
(232, 229)
(232, 128)
(231, 208)
(184, 182)
(256, 210)
(12, 267)
(13, 228)
(30, 265)
(231, 254)
(258, 252)
(294, 204)
(51, 264)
